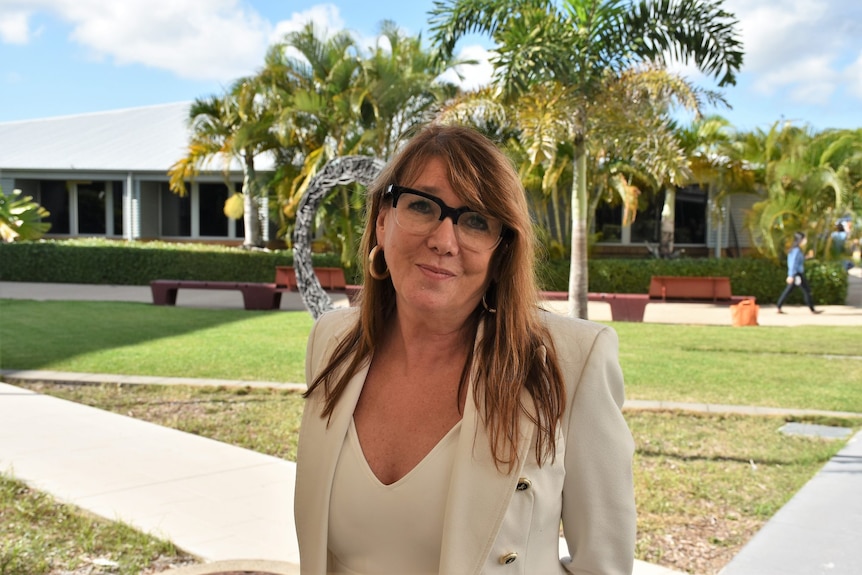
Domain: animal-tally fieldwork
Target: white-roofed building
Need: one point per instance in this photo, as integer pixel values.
(105, 174)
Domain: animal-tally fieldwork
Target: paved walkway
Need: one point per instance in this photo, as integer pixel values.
(222, 502)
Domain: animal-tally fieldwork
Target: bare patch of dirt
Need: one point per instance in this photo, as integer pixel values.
(702, 546)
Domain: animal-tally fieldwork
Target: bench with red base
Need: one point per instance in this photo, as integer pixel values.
(257, 296)
(624, 306)
(329, 278)
(697, 288)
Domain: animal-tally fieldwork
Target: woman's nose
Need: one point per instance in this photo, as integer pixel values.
(444, 238)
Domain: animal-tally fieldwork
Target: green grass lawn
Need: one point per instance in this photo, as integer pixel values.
(41, 536)
(811, 367)
(142, 339)
(796, 367)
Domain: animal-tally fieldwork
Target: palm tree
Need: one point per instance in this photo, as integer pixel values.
(577, 44)
(402, 89)
(717, 163)
(233, 127)
(634, 146)
(809, 179)
(317, 109)
(336, 100)
(21, 217)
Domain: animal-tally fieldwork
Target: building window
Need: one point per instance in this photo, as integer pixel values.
(54, 197)
(609, 223)
(91, 208)
(176, 213)
(211, 199)
(117, 208)
(689, 219)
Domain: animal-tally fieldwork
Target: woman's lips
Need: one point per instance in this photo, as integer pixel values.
(436, 272)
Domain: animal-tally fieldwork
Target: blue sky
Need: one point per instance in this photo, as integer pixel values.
(59, 57)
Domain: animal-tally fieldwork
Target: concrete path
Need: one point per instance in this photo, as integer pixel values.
(819, 531)
(211, 499)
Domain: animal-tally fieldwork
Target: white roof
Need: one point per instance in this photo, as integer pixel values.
(147, 139)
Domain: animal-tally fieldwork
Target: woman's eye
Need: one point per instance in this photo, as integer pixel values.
(475, 222)
(420, 206)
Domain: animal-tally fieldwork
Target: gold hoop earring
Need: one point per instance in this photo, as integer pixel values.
(372, 271)
(486, 306)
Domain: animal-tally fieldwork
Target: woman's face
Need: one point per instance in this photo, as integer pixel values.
(432, 273)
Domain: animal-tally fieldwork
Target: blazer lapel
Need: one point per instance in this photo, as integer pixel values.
(479, 493)
(319, 452)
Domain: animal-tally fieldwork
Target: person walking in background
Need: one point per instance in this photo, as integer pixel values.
(796, 273)
(839, 239)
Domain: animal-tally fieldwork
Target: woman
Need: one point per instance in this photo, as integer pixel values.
(796, 273)
(451, 425)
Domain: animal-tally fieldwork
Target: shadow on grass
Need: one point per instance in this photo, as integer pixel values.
(137, 338)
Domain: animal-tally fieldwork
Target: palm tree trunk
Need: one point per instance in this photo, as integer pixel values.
(560, 229)
(668, 219)
(578, 272)
(250, 215)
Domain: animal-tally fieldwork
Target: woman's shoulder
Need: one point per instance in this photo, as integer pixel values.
(336, 320)
(569, 329)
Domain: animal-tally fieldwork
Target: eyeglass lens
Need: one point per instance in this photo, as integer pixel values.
(420, 213)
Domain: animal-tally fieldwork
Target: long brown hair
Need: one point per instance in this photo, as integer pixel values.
(516, 351)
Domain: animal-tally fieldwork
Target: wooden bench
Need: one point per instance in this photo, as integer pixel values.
(256, 296)
(329, 278)
(715, 289)
(624, 306)
(259, 296)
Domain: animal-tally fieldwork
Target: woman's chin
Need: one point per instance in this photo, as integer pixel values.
(436, 302)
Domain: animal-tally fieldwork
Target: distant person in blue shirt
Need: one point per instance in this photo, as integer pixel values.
(839, 242)
(796, 273)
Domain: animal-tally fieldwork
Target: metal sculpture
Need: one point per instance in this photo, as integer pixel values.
(340, 171)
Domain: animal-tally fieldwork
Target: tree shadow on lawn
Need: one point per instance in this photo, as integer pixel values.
(144, 339)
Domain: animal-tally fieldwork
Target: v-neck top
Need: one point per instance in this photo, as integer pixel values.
(377, 529)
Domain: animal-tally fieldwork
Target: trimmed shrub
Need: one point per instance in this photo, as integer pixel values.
(96, 261)
(756, 277)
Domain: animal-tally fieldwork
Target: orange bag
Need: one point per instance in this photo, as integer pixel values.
(744, 313)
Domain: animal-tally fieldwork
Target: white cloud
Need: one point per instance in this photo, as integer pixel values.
(797, 46)
(809, 80)
(325, 17)
(473, 75)
(326, 20)
(14, 27)
(198, 39)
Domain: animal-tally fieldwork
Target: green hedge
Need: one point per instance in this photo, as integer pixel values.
(757, 277)
(98, 261)
(94, 261)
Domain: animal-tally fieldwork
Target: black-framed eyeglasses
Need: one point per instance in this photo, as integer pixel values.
(420, 213)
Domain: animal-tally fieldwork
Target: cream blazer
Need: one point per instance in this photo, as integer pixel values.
(497, 522)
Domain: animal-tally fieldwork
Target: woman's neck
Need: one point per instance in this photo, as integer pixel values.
(422, 342)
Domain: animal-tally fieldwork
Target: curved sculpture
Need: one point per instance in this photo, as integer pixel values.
(362, 169)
